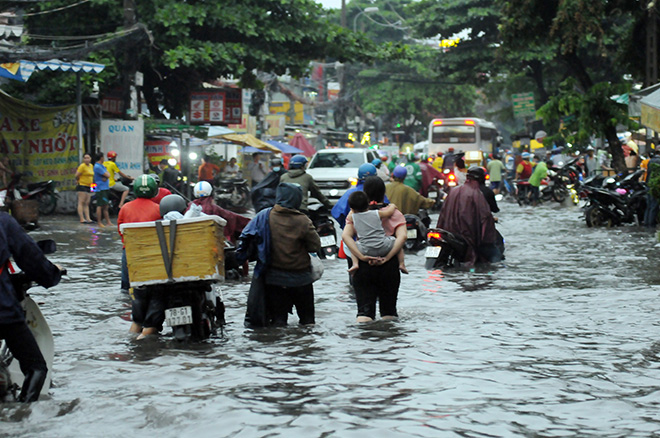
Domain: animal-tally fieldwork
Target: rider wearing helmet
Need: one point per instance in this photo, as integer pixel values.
(162, 191)
(141, 209)
(478, 174)
(524, 169)
(429, 174)
(466, 213)
(172, 203)
(414, 177)
(297, 175)
(341, 208)
(263, 194)
(404, 197)
(113, 170)
(203, 192)
(382, 171)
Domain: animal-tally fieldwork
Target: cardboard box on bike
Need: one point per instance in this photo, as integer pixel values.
(198, 250)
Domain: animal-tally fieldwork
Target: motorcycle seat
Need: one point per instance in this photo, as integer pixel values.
(38, 185)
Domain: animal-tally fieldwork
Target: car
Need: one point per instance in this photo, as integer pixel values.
(335, 170)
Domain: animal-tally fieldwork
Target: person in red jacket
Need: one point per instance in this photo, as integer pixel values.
(148, 312)
(235, 222)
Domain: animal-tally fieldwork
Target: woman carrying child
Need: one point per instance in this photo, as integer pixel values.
(377, 278)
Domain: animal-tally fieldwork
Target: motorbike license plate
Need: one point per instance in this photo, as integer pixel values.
(412, 233)
(432, 251)
(433, 195)
(328, 241)
(178, 316)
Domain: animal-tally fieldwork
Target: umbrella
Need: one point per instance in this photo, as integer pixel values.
(299, 141)
(285, 148)
(249, 140)
(251, 150)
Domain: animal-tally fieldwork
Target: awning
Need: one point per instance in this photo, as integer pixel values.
(249, 140)
(651, 111)
(22, 70)
(285, 148)
(217, 131)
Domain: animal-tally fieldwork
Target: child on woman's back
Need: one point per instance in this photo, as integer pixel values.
(372, 240)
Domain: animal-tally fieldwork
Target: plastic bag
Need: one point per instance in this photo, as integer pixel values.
(194, 211)
(173, 215)
(316, 266)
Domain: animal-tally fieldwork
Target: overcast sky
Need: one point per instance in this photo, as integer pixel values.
(336, 4)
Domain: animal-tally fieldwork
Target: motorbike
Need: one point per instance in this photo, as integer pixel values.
(11, 377)
(624, 204)
(114, 199)
(448, 250)
(416, 227)
(444, 249)
(193, 309)
(435, 191)
(556, 187)
(325, 228)
(231, 192)
(43, 192)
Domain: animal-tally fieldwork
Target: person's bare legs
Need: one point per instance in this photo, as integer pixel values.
(99, 216)
(135, 328)
(355, 265)
(402, 263)
(106, 215)
(361, 319)
(81, 203)
(148, 331)
(87, 198)
(123, 198)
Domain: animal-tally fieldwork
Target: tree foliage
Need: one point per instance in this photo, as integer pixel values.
(199, 40)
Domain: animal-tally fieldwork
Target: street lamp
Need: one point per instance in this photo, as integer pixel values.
(366, 11)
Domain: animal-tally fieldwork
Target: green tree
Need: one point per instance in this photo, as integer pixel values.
(586, 38)
(198, 41)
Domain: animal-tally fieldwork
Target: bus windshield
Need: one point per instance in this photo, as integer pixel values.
(454, 134)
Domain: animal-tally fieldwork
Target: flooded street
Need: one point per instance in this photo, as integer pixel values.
(562, 339)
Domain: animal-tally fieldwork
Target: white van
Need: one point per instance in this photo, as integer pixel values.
(335, 170)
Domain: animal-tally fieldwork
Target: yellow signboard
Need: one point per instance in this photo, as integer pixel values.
(41, 142)
(651, 117)
(284, 108)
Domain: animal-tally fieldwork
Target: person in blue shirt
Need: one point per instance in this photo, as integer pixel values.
(341, 208)
(14, 242)
(102, 181)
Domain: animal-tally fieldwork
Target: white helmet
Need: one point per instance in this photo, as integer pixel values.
(202, 189)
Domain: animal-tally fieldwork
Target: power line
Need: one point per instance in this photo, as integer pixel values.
(55, 10)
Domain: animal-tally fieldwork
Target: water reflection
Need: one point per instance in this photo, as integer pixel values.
(558, 341)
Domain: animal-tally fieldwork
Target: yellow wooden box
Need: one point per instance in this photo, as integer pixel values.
(198, 251)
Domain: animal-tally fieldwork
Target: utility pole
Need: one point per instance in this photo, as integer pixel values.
(343, 13)
(130, 62)
(651, 45)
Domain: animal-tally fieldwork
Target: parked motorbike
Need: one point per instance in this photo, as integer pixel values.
(624, 204)
(325, 228)
(11, 377)
(44, 192)
(416, 227)
(232, 192)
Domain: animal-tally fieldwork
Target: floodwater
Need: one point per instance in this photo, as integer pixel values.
(562, 339)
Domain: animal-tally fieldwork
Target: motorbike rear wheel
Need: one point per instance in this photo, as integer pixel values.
(47, 203)
(559, 194)
(595, 217)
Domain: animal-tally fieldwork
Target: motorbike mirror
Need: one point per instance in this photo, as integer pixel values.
(47, 246)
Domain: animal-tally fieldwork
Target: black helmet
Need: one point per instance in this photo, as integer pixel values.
(275, 162)
(172, 203)
(476, 173)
